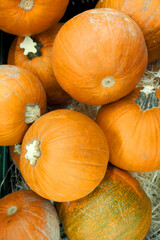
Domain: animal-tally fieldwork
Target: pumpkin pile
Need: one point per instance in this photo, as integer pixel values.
(97, 57)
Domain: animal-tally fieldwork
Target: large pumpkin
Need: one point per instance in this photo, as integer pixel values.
(117, 209)
(64, 155)
(99, 56)
(34, 54)
(146, 15)
(28, 17)
(132, 128)
(22, 101)
(25, 215)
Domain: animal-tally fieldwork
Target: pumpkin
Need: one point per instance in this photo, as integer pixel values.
(22, 101)
(25, 215)
(34, 54)
(117, 209)
(99, 56)
(146, 15)
(64, 155)
(28, 17)
(131, 126)
(15, 152)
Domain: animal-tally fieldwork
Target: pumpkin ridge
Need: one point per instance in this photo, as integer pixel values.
(69, 56)
(59, 180)
(62, 138)
(92, 149)
(62, 182)
(12, 91)
(33, 214)
(87, 163)
(26, 78)
(66, 183)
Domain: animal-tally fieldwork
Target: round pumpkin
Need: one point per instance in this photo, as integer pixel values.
(25, 215)
(64, 155)
(99, 56)
(34, 54)
(28, 17)
(22, 101)
(146, 15)
(117, 209)
(131, 126)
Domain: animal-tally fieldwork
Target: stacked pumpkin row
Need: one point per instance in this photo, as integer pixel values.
(64, 154)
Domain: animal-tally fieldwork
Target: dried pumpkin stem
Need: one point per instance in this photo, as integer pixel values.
(27, 5)
(33, 152)
(17, 148)
(147, 98)
(32, 113)
(11, 210)
(31, 47)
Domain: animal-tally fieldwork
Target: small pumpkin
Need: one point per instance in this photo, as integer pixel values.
(29, 17)
(131, 126)
(34, 54)
(99, 56)
(64, 155)
(25, 215)
(146, 15)
(22, 101)
(117, 209)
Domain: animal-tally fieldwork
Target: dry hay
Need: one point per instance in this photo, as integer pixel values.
(149, 181)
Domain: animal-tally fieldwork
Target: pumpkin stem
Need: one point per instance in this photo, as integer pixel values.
(32, 113)
(11, 210)
(108, 81)
(26, 5)
(147, 98)
(33, 152)
(17, 148)
(31, 48)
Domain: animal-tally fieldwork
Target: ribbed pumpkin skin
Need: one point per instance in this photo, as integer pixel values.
(146, 15)
(74, 156)
(35, 218)
(18, 88)
(41, 65)
(95, 47)
(133, 134)
(117, 209)
(42, 16)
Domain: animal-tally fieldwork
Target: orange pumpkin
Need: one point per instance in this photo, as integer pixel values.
(146, 15)
(15, 152)
(25, 215)
(28, 17)
(131, 126)
(64, 155)
(99, 56)
(117, 209)
(34, 54)
(22, 101)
